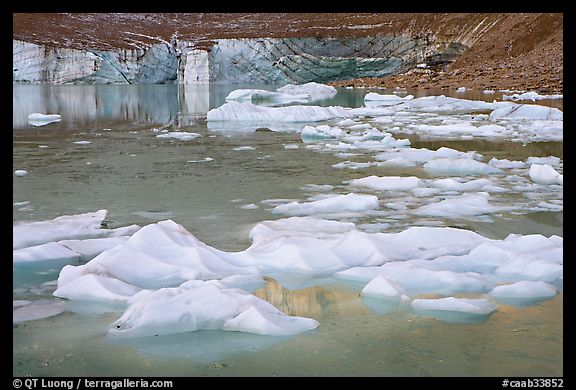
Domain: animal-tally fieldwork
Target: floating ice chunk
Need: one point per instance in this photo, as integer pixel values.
(422, 192)
(464, 205)
(423, 155)
(205, 159)
(256, 95)
(353, 165)
(250, 206)
(39, 309)
(241, 148)
(50, 251)
(291, 146)
(90, 248)
(312, 89)
(505, 163)
(234, 111)
(545, 174)
(61, 228)
(20, 172)
(264, 322)
(180, 135)
(82, 142)
(397, 162)
(550, 160)
(443, 104)
(268, 231)
(379, 287)
(525, 291)
(463, 128)
(311, 134)
(453, 185)
(488, 91)
(385, 100)
(393, 183)
(461, 89)
(199, 305)
(459, 166)
(338, 203)
(529, 267)
(38, 119)
(462, 305)
(527, 111)
(531, 96)
(93, 287)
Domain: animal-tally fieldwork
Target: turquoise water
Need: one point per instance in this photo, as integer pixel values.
(141, 179)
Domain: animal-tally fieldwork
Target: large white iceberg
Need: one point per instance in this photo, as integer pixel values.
(196, 305)
(260, 95)
(314, 90)
(376, 99)
(531, 96)
(527, 111)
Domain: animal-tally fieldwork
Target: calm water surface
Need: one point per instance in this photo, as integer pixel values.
(141, 179)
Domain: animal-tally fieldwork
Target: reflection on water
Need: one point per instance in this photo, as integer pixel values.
(140, 178)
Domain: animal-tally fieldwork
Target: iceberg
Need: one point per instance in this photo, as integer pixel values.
(524, 290)
(38, 119)
(392, 183)
(461, 206)
(318, 133)
(20, 172)
(260, 95)
(459, 166)
(379, 287)
(81, 226)
(462, 305)
(545, 174)
(235, 111)
(527, 111)
(373, 99)
(315, 91)
(196, 305)
(531, 96)
(181, 135)
(338, 203)
(450, 184)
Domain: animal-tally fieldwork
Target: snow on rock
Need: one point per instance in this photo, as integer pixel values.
(531, 96)
(379, 287)
(393, 183)
(181, 135)
(451, 304)
(20, 172)
(459, 166)
(256, 95)
(338, 203)
(38, 119)
(527, 111)
(196, 305)
(524, 290)
(461, 206)
(545, 174)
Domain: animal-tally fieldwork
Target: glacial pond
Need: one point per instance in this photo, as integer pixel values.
(222, 183)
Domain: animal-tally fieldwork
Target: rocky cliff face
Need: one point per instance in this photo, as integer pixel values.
(273, 48)
(247, 60)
